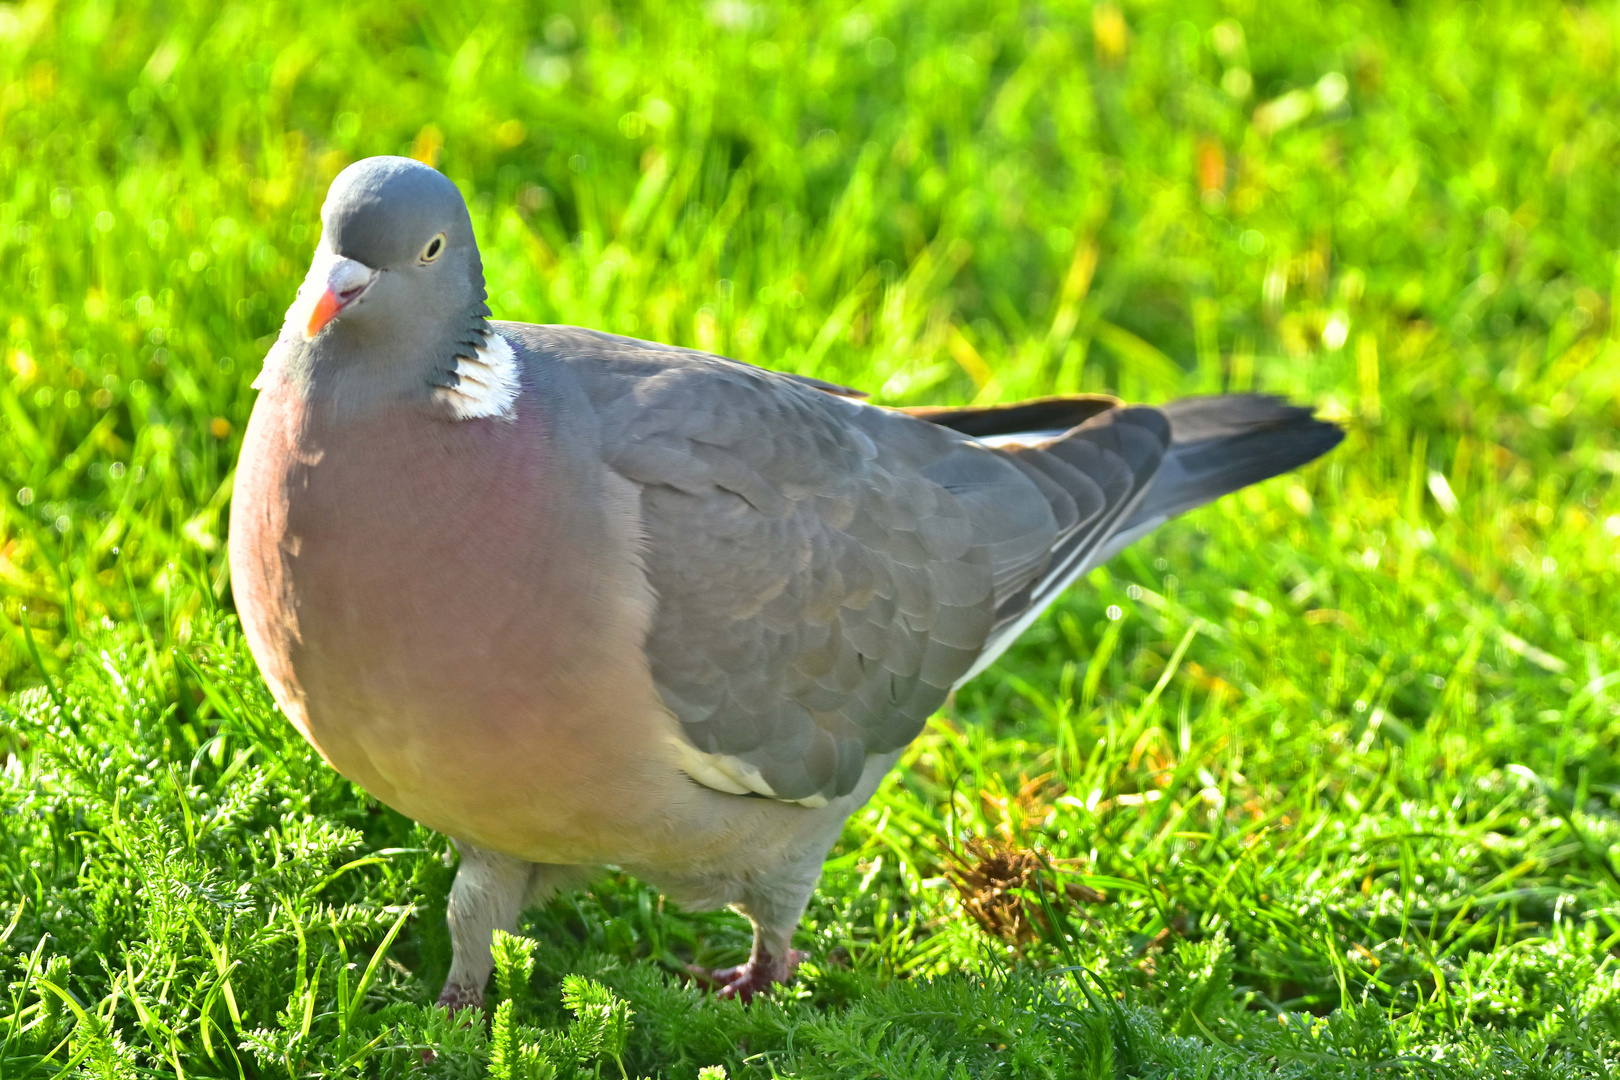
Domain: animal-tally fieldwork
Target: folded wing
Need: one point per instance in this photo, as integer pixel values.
(827, 571)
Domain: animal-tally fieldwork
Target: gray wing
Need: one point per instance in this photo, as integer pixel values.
(826, 571)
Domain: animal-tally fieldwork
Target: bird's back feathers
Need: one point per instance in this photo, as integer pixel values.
(827, 571)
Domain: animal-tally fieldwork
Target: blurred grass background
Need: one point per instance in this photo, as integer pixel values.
(1338, 754)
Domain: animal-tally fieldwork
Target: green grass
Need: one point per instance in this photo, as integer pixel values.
(1340, 752)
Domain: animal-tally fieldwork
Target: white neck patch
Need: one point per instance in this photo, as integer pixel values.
(486, 382)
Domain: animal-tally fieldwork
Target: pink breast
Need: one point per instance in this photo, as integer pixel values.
(425, 600)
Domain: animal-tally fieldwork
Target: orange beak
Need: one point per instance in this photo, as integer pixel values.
(341, 282)
(326, 309)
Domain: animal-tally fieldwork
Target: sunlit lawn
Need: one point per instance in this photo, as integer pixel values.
(1323, 779)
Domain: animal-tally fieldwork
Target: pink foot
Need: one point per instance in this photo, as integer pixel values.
(746, 980)
(455, 997)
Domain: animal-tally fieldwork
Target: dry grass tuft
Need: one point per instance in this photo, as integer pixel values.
(1005, 887)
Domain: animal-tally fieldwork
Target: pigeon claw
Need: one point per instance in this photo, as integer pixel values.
(745, 980)
(461, 1002)
(455, 997)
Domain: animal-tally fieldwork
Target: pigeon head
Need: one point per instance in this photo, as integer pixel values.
(396, 284)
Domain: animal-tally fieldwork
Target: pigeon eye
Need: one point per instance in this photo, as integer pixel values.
(434, 248)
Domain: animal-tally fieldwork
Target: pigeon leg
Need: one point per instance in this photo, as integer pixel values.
(774, 905)
(487, 896)
(491, 890)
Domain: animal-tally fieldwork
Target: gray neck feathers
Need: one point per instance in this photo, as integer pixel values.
(392, 354)
(463, 337)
